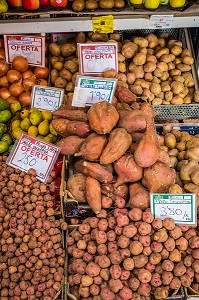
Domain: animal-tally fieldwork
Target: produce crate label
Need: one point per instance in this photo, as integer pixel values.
(103, 24)
(180, 207)
(30, 152)
(161, 21)
(46, 98)
(31, 47)
(90, 90)
(95, 58)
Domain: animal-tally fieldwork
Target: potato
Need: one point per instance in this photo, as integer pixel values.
(157, 101)
(91, 4)
(171, 66)
(143, 50)
(161, 95)
(187, 100)
(161, 42)
(149, 67)
(188, 60)
(184, 92)
(162, 66)
(177, 87)
(183, 67)
(167, 58)
(196, 96)
(170, 140)
(141, 41)
(147, 95)
(139, 59)
(172, 43)
(177, 100)
(54, 74)
(115, 36)
(122, 77)
(189, 81)
(179, 78)
(177, 61)
(122, 67)
(148, 76)
(142, 83)
(136, 89)
(175, 72)
(152, 39)
(151, 58)
(164, 102)
(158, 72)
(155, 88)
(137, 70)
(161, 52)
(156, 80)
(165, 76)
(176, 50)
(165, 86)
(71, 66)
(129, 49)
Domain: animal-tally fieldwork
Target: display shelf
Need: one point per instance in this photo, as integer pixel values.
(64, 22)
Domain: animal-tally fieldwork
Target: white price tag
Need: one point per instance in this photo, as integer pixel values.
(31, 47)
(30, 152)
(90, 90)
(95, 58)
(46, 98)
(161, 21)
(180, 207)
(58, 37)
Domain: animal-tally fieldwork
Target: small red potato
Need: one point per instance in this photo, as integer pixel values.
(156, 280)
(144, 275)
(168, 265)
(136, 248)
(135, 214)
(169, 223)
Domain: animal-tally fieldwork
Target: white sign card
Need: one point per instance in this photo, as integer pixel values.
(90, 90)
(161, 21)
(31, 47)
(180, 207)
(95, 58)
(46, 98)
(30, 152)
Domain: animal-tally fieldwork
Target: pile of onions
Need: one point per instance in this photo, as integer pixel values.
(25, 99)
(4, 67)
(4, 93)
(16, 89)
(13, 76)
(20, 63)
(41, 73)
(28, 83)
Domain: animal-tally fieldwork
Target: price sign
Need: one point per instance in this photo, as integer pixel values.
(103, 24)
(160, 21)
(29, 152)
(90, 90)
(46, 98)
(31, 47)
(95, 58)
(180, 207)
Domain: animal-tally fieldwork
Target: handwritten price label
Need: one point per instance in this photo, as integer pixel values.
(46, 98)
(103, 24)
(90, 90)
(95, 58)
(161, 21)
(180, 207)
(30, 152)
(31, 47)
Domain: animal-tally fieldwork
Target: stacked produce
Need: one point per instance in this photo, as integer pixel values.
(118, 156)
(131, 255)
(182, 149)
(5, 137)
(79, 5)
(31, 251)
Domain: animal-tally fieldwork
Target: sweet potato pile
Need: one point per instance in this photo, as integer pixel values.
(182, 149)
(130, 255)
(116, 152)
(31, 252)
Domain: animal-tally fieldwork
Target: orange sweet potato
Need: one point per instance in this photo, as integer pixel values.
(93, 194)
(139, 196)
(119, 141)
(158, 178)
(147, 152)
(60, 125)
(127, 170)
(134, 120)
(70, 114)
(102, 117)
(92, 147)
(163, 157)
(81, 129)
(70, 145)
(148, 110)
(123, 94)
(76, 185)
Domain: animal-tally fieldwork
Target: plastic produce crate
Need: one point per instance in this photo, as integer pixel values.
(191, 294)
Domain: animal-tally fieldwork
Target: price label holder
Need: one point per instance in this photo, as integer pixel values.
(30, 152)
(95, 58)
(103, 24)
(46, 98)
(90, 90)
(60, 37)
(161, 21)
(31, 47)
(180, 207)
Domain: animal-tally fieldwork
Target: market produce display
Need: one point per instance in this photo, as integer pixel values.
(182, 148)
(131, 255)
(156, 69)
(95, 4)
(31, 250)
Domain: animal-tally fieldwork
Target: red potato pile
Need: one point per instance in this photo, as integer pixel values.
(116, 150)
(130, 255)
(31, 253)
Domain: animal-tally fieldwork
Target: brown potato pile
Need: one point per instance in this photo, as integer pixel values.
(31, 252)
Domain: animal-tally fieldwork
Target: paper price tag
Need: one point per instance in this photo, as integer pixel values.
(180, 207)
(160, 21)
(103, 24)
(46, 98)
(29, 152)
(31, 47)
(95, 58)
(90, 90)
